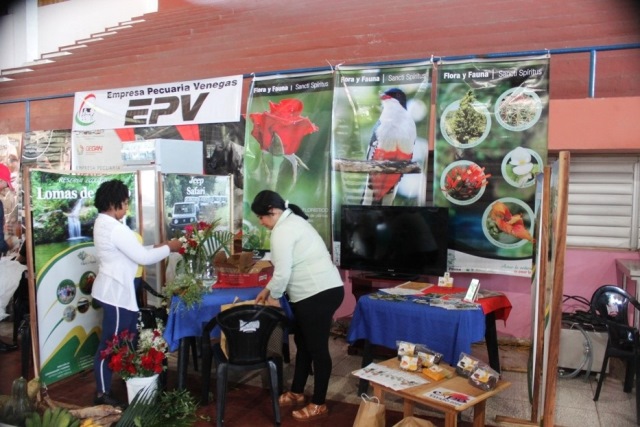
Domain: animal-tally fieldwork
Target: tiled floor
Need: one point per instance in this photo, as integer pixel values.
(574, 408)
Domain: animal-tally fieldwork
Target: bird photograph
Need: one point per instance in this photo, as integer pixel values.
(393, 138)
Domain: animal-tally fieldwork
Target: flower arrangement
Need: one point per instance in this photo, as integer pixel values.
(193, 240)
(188, 287)
(142, 360)
(200, 242)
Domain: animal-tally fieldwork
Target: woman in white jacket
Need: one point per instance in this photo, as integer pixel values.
(304, 270)
(119, 253)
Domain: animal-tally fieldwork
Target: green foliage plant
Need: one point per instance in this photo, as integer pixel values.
(175, 408)
(467, 124)
(188, 287)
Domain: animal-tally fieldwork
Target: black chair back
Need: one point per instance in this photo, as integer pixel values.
(150, 314)
(610, 304)
(247, 329)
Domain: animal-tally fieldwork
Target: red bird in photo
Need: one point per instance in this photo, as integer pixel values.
(393, 138)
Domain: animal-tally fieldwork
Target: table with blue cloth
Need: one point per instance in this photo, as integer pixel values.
(383, 322)
(184, 323)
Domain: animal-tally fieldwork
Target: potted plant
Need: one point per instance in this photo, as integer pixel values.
(138, 358)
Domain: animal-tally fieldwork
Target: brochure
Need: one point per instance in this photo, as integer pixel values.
(451, 397)
(394, 379)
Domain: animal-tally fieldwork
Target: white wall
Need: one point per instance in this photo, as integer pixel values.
(28, 31)
(13, 35)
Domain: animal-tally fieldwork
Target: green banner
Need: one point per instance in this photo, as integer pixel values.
(69, 322)
(381, 121)
(287, 149)
(491, 142)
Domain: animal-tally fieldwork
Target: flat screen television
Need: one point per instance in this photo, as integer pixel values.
(394, 241)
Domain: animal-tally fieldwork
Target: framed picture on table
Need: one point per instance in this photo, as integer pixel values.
(472, 292)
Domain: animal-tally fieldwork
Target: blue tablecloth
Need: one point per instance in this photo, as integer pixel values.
(184, 323)
(449, 332)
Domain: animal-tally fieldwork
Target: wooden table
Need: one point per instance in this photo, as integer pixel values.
(450, 332)
(416, 394)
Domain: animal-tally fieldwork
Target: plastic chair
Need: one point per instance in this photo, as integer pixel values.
(611, 305)
(248, 330)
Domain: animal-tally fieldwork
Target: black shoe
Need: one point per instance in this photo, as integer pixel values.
(106, 399)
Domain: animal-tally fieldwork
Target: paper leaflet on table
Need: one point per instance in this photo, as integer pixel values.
(394, 379)
(407, 288)
(451, 397)
(447, 301)
(454, 304)
(482, 293)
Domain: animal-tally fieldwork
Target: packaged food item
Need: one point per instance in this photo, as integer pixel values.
(405, 349)
(409, 363)
(483, 377)
(466, 365)
(427, 356)
(435, 372)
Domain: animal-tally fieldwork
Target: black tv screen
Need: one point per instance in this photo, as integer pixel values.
(394, 241)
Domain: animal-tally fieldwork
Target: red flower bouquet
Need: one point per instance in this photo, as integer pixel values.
(200, 242)
(193, 240)
(130, 361)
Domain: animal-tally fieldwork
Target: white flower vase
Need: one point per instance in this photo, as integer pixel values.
(137, 385)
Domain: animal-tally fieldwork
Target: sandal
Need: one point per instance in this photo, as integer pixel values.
(311, 412)
(291, 399)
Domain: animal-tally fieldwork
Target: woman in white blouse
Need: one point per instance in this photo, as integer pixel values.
(304, 270)
(119, 253)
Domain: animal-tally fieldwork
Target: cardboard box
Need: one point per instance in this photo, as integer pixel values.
(246, 280)
(573, 353)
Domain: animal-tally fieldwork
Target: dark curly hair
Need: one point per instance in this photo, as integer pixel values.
(111, 194)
